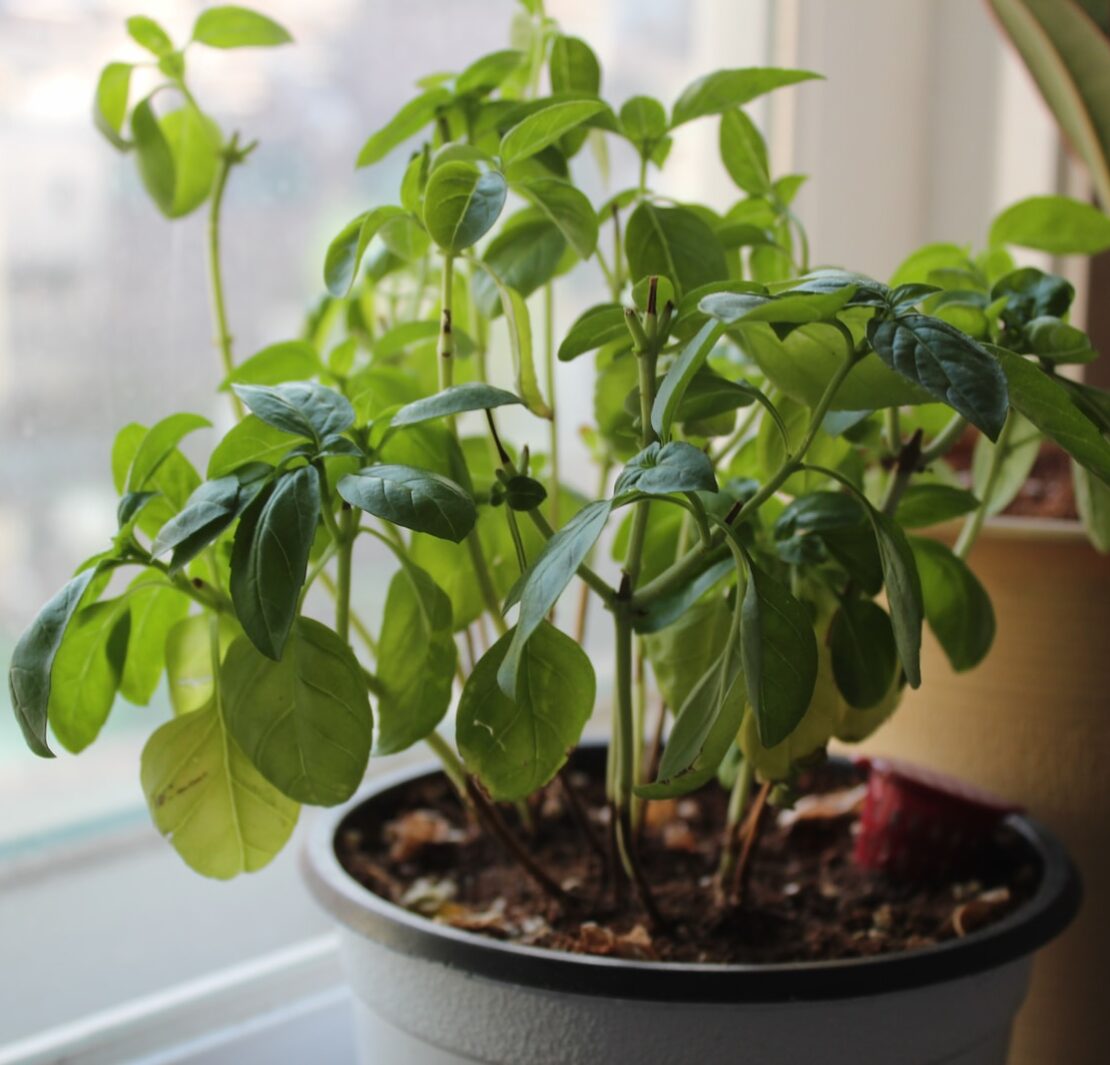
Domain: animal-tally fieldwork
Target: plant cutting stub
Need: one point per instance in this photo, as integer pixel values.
(916, 823)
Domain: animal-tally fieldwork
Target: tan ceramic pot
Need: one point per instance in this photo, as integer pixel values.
(1032, 723)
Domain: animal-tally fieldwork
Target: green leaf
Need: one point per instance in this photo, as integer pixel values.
(345, 252)
(523, 257)
(461, 204)
(524, 493)
(416, 499)
(221, 815)
(931, 504)
(190, 676)
(1053, 224)
(1020, 445)
(300, 408)
(1092, 500)
(174, 480)
(593, 328)
(87, 671)
(409, 121)
(110, 103)
(573, 66)
(919, 265)
(516, 746)
(32, 663)
(644, 122)
(289, 360)
(546, 580)
(158, 444)
(230, 26)
(956, 605)
(725, 89)
(710, 395)
(864, 656)
(947, 364)
(1051, 339)
(903, 592)
(251, 440)
(474, 395)
(661, 469)
(1049, 406)
(1028, 293)
(567, 208)
(176, 156)
(1068, 57)
(416, 660)
(147, 33)
(488, 72)
(545, 126)
(674, 243)
(520, 344)
(304, 721)
(789, 308)
(155, 609)
(679, 377)
(818, 512)
(682, 652)
(153, 157)
(744, 153)
(779, 654)
(269, 558)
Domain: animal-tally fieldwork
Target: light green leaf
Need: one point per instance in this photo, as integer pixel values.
(409, 121)
(744, 153)
(32, 664)
(1020, 448)
(779, 654)
(110, 103)
(644, 122)
(221, 815)
(724, 89)
(679, 377)
(417, 499)
(345, 252)
(593, 328)
(230, 26)
(269, 558)
(304, 721)
(523, 257)
(488, 72)
(1092, 499)
(546, 580)
(190, 676)
(683, 652)
(1054, 224)
(956, 605)
(289, 360)
(516, 746)
(149, 34)
(545, 126)
(675, 243)
(573, 66)
(461, 204)
(416, 660)
(251, 440)
(1049, 338)
(158, 444)
(155, 609)
(567, 208)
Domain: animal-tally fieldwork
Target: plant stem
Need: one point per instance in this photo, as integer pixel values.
(945, 440)
(228, 158)
(974, 523)
(446, 360)
(553, 423)
(737, 803)
(751, 838)
(453, 768)
(362, 630)
(347, 531)
(909, 462)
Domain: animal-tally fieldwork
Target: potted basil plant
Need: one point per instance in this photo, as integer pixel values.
(770, 440)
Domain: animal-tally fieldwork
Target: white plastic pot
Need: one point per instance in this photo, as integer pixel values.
(427, 994)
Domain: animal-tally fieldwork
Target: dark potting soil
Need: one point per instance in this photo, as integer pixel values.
(805, 899)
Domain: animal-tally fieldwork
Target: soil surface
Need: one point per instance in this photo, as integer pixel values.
(805, 898)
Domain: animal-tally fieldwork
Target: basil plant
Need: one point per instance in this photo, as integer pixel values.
(770, 439)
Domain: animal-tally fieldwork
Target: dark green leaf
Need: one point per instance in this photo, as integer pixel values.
(1054, 224)
(409, 121)
(1049, 406)
(416, 499)
(346, 251)
(818, 512)
(33, 661)
(461, 204)
(545, 126)
(1030, 293)
(474, 395)
(673, 242)
(545, 581)
(416, 660)
(744, 153)
(779, 654)
(524, 493)
(864, 656)
(931, 504)
(956, 605)
(598, 326)
(947, 364)
(516, 746)
(303, 721)
(903, 592)
(668, 611)
(1051, 339)
(664, 468)
(724, 89)
(269, 558)
(300, 408)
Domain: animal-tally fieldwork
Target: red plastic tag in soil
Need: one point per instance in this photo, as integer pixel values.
(919, 824)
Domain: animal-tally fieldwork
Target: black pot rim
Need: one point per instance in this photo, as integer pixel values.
(1029, 927)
